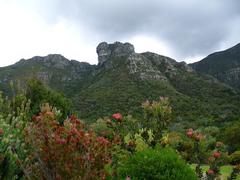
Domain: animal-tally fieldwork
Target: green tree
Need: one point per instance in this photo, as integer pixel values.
(40, 94)
(232, 136)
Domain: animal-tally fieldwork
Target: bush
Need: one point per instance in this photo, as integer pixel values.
(162, 164)
(232, 136)
(67, 151)
(235, 158)
(39, 94)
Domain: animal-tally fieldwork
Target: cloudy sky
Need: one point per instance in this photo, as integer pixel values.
(182, 29)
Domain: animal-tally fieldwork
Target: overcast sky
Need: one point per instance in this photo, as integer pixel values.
(182, 29)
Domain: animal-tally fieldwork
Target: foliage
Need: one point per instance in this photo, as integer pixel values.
(157, 116)
(235, 158)
(65, 151)
(161, 164)
(235, 173)
(14, 115)
(40, 94)
(232, 136)
(139, 141)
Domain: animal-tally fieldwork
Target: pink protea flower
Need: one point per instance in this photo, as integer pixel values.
(117, 116)
(216, 154)
(189, 133)
(210, 172)
(1, 131)
(61, 141)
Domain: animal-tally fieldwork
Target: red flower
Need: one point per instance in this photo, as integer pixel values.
(1, 131)
(216, 154)
(210, 172)
(74, 131)
(117, 116)
(61, 141)
(189, 133)
(103, 140)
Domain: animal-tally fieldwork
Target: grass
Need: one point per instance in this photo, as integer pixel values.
(224, 170)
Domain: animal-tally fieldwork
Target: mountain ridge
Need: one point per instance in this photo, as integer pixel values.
(123, 79)
(223, 65)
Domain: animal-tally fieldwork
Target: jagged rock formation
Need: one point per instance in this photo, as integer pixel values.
(224, 65)
(118, 49)
(123, 79)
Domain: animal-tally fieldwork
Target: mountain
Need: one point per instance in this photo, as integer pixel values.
(54, 70)
(123, 79)
(223, 65)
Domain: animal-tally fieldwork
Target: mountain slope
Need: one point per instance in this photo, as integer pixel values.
(54, 70)
(224, 65)
(124, 79)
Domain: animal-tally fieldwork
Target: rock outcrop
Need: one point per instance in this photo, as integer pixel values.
(117, 49)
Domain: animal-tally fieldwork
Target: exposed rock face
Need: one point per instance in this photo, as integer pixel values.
(105, 50)
(54, 60)
(147, 66)
(144, 67)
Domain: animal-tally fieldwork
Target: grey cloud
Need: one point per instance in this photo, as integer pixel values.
(190, 28)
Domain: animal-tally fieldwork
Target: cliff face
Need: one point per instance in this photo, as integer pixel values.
(123, 79)
(224, 65)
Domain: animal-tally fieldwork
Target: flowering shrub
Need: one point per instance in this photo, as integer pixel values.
(66, 151)
(216, 161)
(196, 137)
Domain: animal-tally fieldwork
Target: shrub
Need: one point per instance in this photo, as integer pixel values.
(162, 164)
(158, 115)
(39, 94)
(232, 136)
(67, 151)
(13, 119)
(235, 158)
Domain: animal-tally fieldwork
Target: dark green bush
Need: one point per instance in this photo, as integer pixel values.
(234, 158)
(39, 94)
(162, 164)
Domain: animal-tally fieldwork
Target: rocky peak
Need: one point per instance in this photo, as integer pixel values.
(105, 50)
(53, 60)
